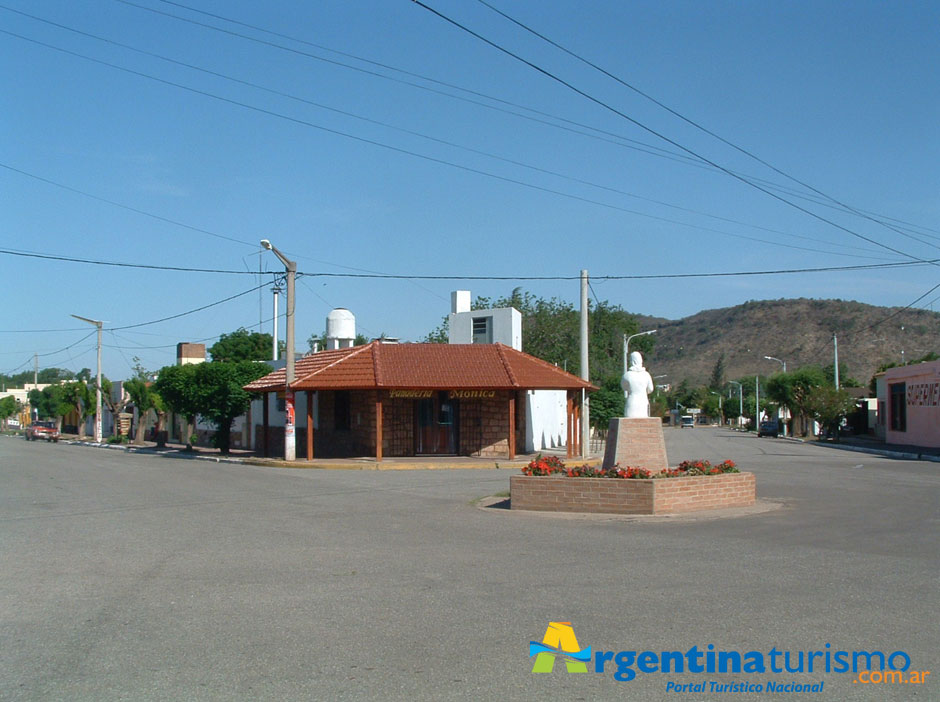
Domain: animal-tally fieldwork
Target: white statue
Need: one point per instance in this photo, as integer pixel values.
(637, 383)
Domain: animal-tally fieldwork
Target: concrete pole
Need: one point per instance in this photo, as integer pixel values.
(98, 436)
(585, 371)
(277, 292)
(835, 349)
(756, 403)
(290, 446)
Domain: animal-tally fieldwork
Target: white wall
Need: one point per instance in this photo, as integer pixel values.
(506, 325)
(546, 419)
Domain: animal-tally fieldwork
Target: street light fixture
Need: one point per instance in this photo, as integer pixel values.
(626, 351)
(290, 446)
(783, 363)
(98, 383)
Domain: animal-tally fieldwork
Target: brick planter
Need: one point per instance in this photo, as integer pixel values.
(620, 496)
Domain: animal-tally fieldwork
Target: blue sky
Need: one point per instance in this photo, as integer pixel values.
(348, 171)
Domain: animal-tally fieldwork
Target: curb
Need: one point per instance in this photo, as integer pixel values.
(888, 453)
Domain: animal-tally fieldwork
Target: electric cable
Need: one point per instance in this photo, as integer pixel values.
(429, 158)
(652, 131)
(693, 123)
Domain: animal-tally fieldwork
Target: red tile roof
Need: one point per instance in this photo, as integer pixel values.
(423, 366)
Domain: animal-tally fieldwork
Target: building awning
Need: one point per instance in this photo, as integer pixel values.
(381, 365)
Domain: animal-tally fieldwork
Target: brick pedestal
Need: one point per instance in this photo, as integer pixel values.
(636, 442)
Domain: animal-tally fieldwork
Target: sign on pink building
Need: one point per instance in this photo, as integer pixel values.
(912, 403)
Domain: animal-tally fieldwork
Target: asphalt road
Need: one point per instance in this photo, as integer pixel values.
(136, 577)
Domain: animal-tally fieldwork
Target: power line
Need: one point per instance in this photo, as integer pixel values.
(411, 276)
(193, 311)
(694, 123)
(618, 139)
(118, 204)
(433, 159)
(652, 131)
(403, 130)
(146, 266)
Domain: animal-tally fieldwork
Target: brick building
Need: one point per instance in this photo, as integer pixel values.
(385, 399)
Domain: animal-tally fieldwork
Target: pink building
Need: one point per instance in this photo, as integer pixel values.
(912, 404)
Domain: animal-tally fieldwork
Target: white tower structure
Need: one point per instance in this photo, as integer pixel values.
(340, 329)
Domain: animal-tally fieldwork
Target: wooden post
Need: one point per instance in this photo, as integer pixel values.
(577, 434)
(264, 424)
(378, 425)
(569, 449)
(310, 397)
(512, 424)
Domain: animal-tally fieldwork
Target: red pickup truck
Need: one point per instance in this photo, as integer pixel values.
(42, 430)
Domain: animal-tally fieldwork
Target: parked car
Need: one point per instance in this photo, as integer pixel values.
(42, 430)
(768, 429)
(687, 420)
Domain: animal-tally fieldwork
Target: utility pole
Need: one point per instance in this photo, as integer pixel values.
(740, 399)
(835, 366)
(98, 383)
(756, 403)
(277, 292)
(290, 445)
(35, 369)
(585, 371)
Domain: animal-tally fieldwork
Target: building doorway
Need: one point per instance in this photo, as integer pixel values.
(436, 421)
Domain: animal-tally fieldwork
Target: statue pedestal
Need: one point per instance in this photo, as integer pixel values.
(636, 442)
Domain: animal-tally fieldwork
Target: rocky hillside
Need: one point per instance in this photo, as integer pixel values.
(797, 331)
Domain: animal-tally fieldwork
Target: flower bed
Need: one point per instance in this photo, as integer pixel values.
(548, 485)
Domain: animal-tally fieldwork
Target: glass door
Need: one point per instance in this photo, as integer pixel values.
(436, 425)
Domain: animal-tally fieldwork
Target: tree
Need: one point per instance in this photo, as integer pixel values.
(242, 345)
(829, 407)
(717, 381)
(81, 398)
(145, 398)
(220, 397)
(7, 408)
(607, 403)
(792, 390)
(177, 386)
(49, 403)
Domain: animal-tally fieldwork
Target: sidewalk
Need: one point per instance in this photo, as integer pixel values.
(864, 444)
(249, 457)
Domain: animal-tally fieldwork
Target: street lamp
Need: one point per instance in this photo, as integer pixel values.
(290, 450)
(783, 363)
(98, 383)
(626, 351)
(721, 412)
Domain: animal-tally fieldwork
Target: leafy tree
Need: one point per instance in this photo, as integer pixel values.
(242, 345)
(53, 375)
(49, 403)
(220, 397)
(177, 386)
(717, 381)
(7, 407)
(145, 398)
(845, 380)
(607, 403)
(80, 397)
(829, 407)
(792, 390)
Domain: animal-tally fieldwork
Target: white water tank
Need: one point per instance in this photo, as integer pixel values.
(340, 329)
